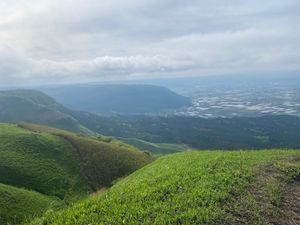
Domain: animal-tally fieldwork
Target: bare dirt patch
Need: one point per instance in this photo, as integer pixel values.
(291, 205)
(274, 198)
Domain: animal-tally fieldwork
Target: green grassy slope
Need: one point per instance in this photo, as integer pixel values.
(18, 204)
(36, 107)
(60, 164)
(184, 188)
(39, 161)
(101, 162)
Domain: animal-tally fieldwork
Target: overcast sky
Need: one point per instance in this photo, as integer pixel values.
(54, 41)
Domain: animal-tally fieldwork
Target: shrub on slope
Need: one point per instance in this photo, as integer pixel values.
(185, 188)
(17, 204)
(101, 162)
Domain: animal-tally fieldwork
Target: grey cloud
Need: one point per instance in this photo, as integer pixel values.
(86, 40)
(16, 68)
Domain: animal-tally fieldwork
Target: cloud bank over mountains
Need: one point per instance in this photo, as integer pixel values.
(54, 41)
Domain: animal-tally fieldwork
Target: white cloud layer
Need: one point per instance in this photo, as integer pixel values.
(53, 41)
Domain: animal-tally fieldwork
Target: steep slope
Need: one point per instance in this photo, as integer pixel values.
(36, 107)
(188, 188)
(61, 164)
(39, 161)
(118, 99)
(101, 162)
(17, 204)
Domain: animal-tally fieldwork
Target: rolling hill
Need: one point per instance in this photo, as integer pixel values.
(101, 162)
(194, 188)
(118, 99)
(18, 204)
(36, 107)
(57, 166)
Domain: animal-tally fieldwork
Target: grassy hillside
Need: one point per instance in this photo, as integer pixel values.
(36, 107)
(18, 204)
(101, 162)
(60, 164)
(118, 99)
(39, 161)
(191, 188)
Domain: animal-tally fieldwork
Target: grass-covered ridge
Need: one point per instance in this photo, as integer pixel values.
(18, 204)
(41, 162)
(185, 188)
(59, 164)
(101, 162)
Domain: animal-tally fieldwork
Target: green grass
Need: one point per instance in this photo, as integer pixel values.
(102, 163)
(184, 188)
(60, 164)
(18, 204)
(41, 162)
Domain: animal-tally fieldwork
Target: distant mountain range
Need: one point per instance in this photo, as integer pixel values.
(118, 99)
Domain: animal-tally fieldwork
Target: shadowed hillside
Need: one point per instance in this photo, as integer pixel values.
(36, 107)
(18, 204)
(40, 161)
(101, 162)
